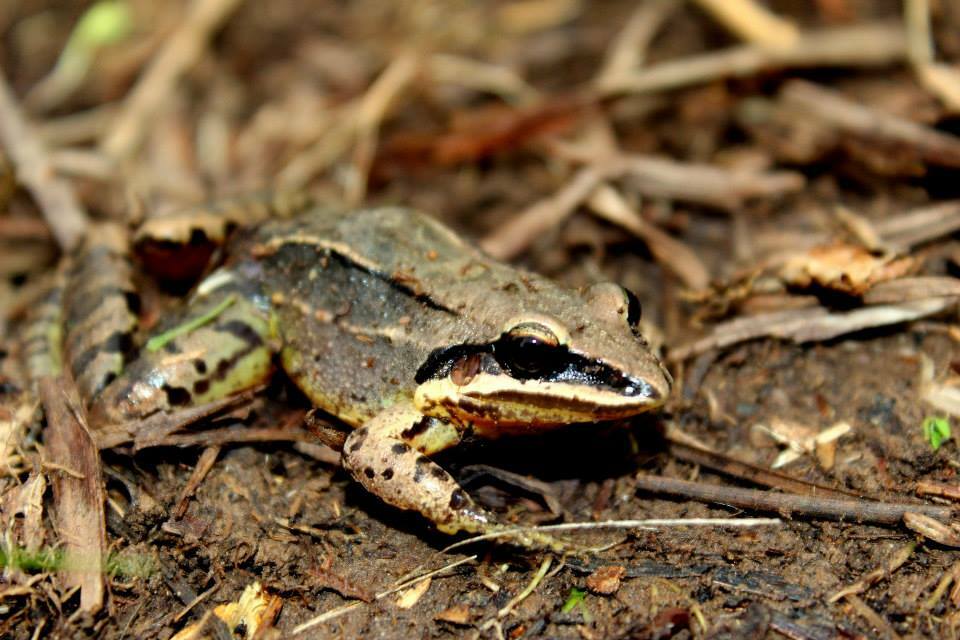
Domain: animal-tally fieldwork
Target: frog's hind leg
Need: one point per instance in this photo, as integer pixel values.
(387, 455)
(100, 306)
(221, 344)
(87, 320)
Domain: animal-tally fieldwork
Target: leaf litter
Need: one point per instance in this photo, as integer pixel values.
(773, 183)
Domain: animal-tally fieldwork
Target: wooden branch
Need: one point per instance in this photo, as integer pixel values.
(787, 504)
(55, 196)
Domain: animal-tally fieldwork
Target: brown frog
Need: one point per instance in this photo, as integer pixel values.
(387, 320)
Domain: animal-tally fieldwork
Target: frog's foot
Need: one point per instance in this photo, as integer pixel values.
(388, 457)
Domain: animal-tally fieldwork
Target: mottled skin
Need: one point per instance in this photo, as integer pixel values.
(387, 320)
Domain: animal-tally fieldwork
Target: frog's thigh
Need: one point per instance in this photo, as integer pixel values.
(384, 455)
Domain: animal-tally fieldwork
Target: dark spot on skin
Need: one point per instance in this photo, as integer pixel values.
(480, 410)
(223, 368)
(107, 379)
(369, 473)
(418, 427)
(118, 342)
(242, 331)
(438, 473)
(176, 396)
(400, 448)
(200, 366)
(197, 236)
(172, 347)
(359, 436)
(459, 499)
(423, 463)
(132, 299)
(387, 473)
(201, 386)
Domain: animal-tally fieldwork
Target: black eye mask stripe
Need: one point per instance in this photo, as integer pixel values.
(565, 367)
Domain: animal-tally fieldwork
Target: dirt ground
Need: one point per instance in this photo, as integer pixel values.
(778, 185)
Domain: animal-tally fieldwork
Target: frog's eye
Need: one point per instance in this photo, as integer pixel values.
(529, 350)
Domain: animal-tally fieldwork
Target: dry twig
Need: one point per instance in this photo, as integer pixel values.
(673, 254)
(866, 45)
(356, 123)
(60, 208)
(861, 511)
(942, 80)
(753, 22)
(917, 226)
(893, 562)
(934, 147)
(339, 611)
(811, 324)
(628, 50)
(651, 176)
(207, 459)
(181, 51)
(877, 621)
(514, 236)
(682, 450)
(78, 501)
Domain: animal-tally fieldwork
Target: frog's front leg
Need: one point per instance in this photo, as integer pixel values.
(388, 456)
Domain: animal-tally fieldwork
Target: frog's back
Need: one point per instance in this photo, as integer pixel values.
(361, 300)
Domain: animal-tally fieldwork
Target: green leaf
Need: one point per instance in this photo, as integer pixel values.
(576, 597)
(936, 430)
(159, 341)
(104, 23)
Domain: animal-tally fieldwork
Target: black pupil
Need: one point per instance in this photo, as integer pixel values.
(527, 356)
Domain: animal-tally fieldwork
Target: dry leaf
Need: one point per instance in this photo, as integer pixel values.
(942, 396)
(412, 596)
(253, 610)
(606, 580)
(800, 439)
(845, 268)
(458, 614)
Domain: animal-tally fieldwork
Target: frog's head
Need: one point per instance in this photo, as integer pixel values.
(581, 360)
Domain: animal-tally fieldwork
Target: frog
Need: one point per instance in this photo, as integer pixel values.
(390, 322)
